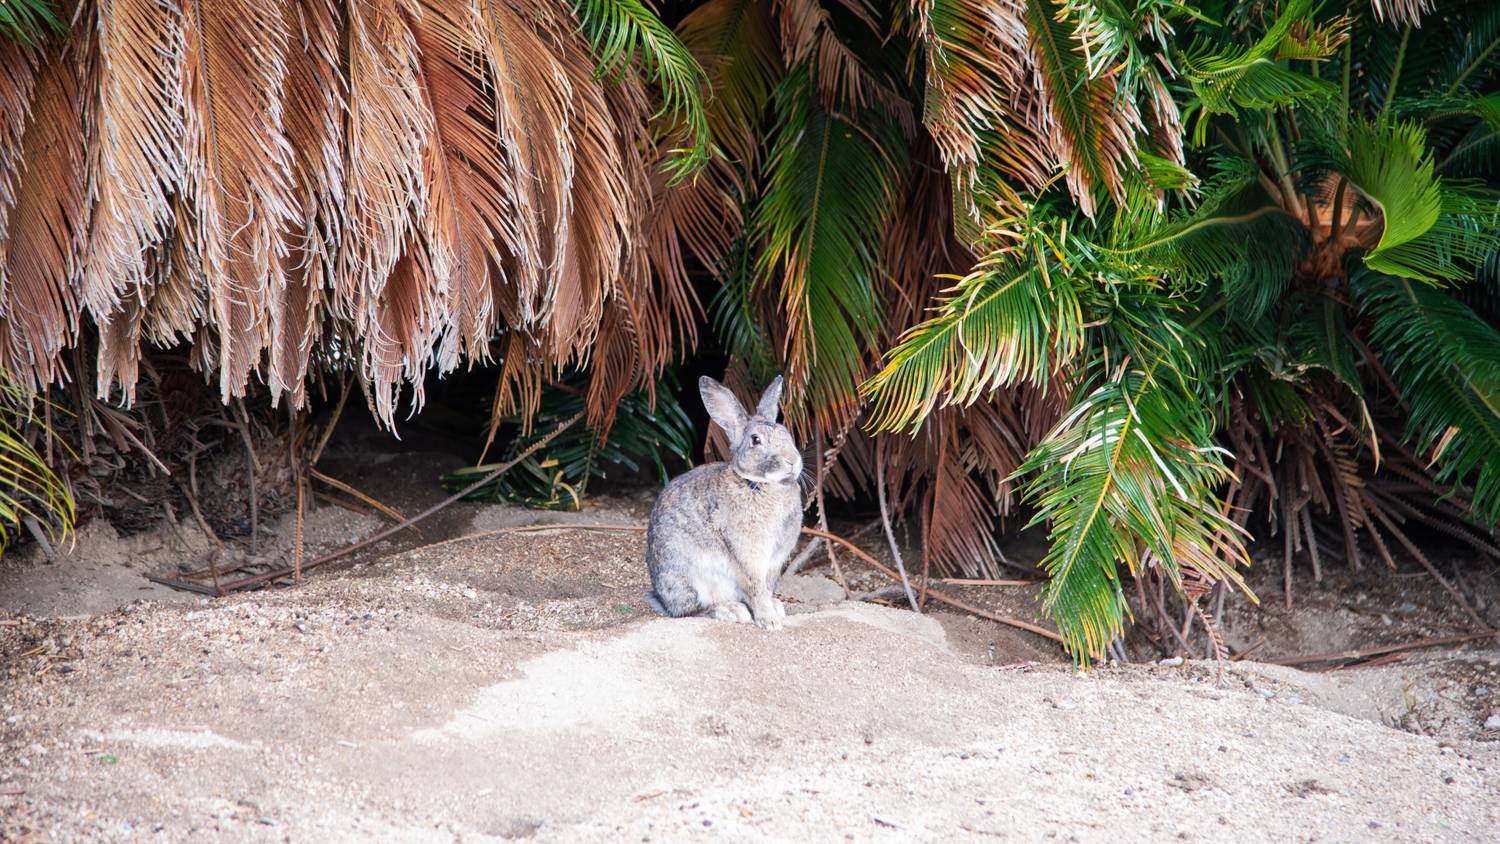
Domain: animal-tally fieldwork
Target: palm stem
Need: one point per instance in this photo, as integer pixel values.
(1283, 169)
(1343, 111)
(1390, 91)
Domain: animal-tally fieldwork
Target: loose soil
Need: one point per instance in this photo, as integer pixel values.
(516, 687)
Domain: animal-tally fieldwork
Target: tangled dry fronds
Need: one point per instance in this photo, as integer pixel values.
(390, 185)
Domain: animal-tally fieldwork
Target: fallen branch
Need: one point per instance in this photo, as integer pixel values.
(287, 571)
(1333, 656)
(186, 585)
(333, 421)
(1250, 650)
(811, 546)
(965, 581)
(833, 559)
(384, 509)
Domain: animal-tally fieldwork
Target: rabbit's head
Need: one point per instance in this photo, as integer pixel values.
(760, 449)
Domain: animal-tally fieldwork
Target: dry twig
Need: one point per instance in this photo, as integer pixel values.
(950, 601)
(890, 537)
(388, 511)
(276, 574)
(1348, 656)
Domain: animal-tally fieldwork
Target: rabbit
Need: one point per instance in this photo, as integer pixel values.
(720, 534)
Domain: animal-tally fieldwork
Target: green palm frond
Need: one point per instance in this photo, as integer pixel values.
(1472, 48)
(1123, 37)
(29, 489)
(621, 30)
(1434, 229)
(734, 310)
(1315, 335)
(1015, 318)
(1446, 360)
(1236, 237)
(1255, 76)
(1092, 122)
(829, 190)
(1478, 150)
(1128, 476)
(644, 434)
(29, 21)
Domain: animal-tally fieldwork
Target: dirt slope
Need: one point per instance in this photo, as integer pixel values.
(515, 688)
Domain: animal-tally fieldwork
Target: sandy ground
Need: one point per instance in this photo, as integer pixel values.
(517, 688)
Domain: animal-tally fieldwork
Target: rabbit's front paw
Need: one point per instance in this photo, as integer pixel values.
(768, 612)
(768, 621)
(735, 612)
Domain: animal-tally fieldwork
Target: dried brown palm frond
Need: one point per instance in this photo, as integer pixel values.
(608, 200)
(468, 184)
(736, 42)
(314, 125)
(133, 72)
(1408, 12)
(387, 183)
(17, 80)
(40, 231)
(843, 77)
(236, 174)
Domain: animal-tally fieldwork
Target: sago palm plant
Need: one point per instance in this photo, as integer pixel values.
(1311, 289)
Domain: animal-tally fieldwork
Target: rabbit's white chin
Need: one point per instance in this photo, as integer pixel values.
(779, 478)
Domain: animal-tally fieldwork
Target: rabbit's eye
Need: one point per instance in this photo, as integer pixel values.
(755, 439)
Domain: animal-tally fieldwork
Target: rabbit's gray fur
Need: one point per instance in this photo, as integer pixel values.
(720, 534)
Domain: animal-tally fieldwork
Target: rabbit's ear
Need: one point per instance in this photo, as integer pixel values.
(724, 408)
(770, 400)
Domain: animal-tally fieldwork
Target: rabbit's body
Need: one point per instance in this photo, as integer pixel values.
(720, 534)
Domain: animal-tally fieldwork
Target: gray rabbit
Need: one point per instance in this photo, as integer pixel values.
(720, 534)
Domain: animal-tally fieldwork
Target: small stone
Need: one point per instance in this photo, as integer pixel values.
(1293, 700)
(1265, 693)
(1171, 661)
(1492, 722)
(470, 593)
(1481, 691)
